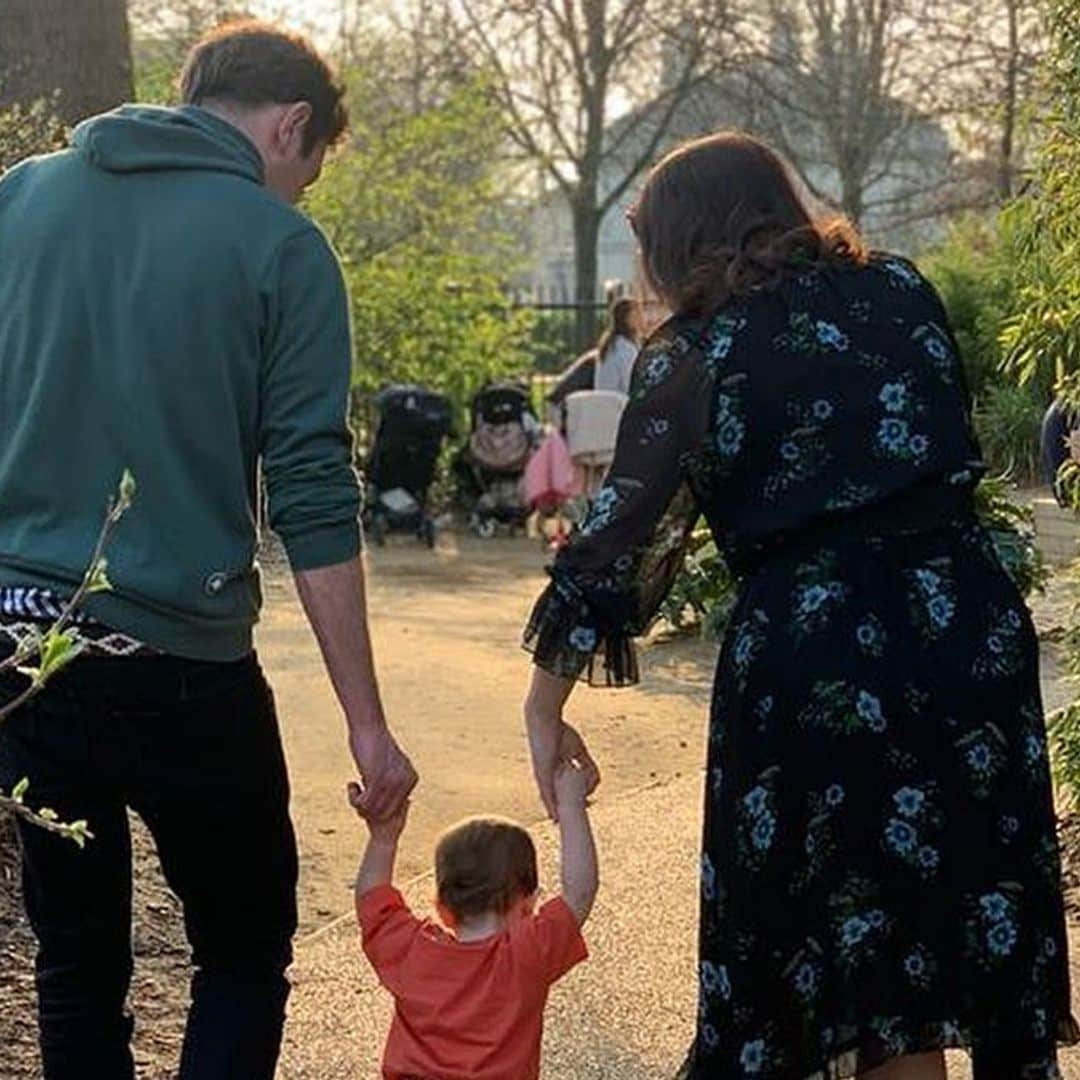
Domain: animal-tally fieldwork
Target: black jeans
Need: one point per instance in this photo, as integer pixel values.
(194, 749)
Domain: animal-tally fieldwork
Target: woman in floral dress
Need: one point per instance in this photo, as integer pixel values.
(880, 875)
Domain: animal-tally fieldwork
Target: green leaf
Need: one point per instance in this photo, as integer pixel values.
(47, 813)
(128, 489)
(58, 649)
(99, 578)
(18, 793)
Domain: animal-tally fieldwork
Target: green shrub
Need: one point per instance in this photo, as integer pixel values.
(1009, 424)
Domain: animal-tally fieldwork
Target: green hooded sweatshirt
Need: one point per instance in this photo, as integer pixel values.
(161, 310)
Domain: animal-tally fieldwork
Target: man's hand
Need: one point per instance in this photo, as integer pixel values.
(387, 831)
(387, 774)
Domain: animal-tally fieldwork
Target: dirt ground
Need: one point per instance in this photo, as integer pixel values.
(447, 626)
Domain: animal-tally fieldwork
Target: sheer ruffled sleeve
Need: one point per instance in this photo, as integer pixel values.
(608, 583)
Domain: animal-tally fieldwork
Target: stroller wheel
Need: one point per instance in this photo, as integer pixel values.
(378, 530)
(429, 533)
(485, 528)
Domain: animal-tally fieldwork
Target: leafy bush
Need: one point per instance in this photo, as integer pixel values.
(703, 595)
(1009, 424)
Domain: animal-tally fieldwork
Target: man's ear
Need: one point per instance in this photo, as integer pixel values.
(292, 126)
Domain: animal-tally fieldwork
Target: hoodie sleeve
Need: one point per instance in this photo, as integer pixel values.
(305, 442)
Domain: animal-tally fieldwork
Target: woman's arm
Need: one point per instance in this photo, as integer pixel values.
(608, 584)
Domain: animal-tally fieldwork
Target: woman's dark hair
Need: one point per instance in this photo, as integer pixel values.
(484, 864)
(623, 322)
(722, 215)
(255, 63)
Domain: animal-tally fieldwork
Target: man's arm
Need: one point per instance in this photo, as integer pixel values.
(314, 497)
(334, 598)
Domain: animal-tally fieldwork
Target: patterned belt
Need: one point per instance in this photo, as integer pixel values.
(25, 610)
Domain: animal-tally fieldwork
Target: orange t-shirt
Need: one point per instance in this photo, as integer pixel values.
(466, 1010)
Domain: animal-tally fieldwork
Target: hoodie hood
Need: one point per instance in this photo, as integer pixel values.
(144, 138)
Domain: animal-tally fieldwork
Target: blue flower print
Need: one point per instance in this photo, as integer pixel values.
(868, 708)
(994, 906)
(853, 930)
(789, 450)
(708, 878)
(715, 981)
(752, 1057)
(583, 638)
(602, 511)
(710, 1037)
(928, 858)
(919, 445)
(915, 965)
(901, 837)
(812, 598)
(941, 610)
(756, 801)
(831, 336)
(1001, 938)
(821, 409)
(876, 918)
(729, 437)
(806, 979)
(893, 435)
(909, 801)
(657, 369)
(1034, 749)
(901, 274)
(870, 635)
(894, 396)
(762, 833)
(980, 758)
(724, 405)
(834, 795)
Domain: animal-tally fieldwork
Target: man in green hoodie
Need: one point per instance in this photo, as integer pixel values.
(164, 308)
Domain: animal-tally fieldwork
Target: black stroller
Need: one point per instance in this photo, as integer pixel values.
(413, 424)
(490, 467)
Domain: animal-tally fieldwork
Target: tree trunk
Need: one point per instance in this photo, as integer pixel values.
(586, 240)
(1009, 105)
(77, 50)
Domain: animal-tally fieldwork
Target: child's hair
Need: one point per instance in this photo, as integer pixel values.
(484, 864)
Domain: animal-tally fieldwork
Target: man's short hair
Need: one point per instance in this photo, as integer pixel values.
(484, 865)
(256, 63)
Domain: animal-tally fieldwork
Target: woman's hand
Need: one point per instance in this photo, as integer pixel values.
(552, 742)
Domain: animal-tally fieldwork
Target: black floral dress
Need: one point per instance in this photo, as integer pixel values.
(880, 873)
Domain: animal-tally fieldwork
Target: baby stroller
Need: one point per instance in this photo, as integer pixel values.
(591, 425)
(413, 424)
(491, 466)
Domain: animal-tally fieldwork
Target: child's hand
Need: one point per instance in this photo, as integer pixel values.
(387, 831)
(573, 784)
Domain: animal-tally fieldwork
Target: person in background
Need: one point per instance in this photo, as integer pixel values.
(1056, 445)
(618, 348)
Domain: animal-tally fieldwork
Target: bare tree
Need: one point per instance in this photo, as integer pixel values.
(562, 70)
(77, 52)
(876, 98)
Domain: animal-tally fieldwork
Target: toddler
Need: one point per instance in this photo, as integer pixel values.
(469, 999)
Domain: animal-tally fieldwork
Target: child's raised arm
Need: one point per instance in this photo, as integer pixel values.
(578, 857)
(377, 865)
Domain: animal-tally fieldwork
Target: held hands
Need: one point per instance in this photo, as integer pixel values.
(554, 743)
(387, 774)
(573, 784)
(386, 830)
